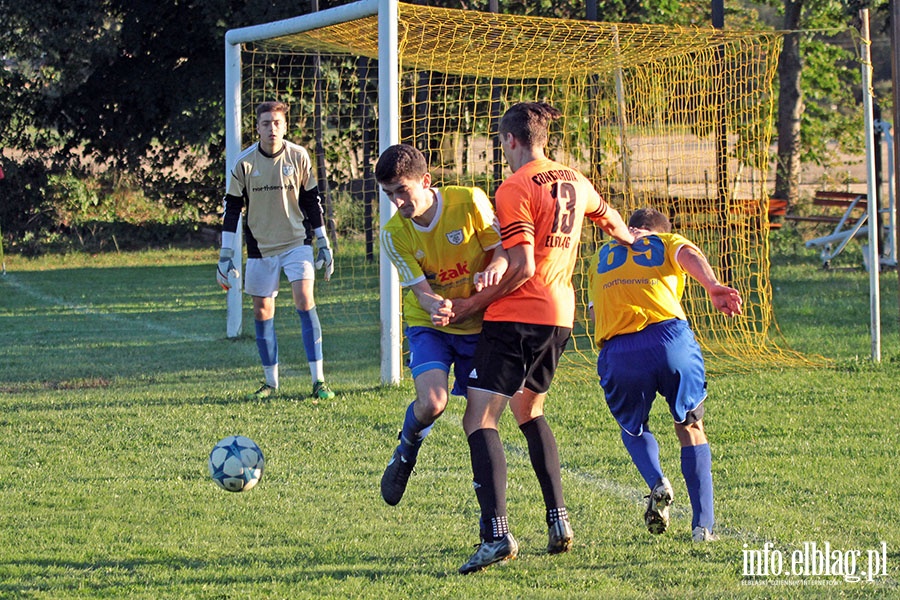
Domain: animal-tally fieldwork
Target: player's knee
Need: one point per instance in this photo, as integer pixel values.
(432, 403)
(691, 434)
(304, 303)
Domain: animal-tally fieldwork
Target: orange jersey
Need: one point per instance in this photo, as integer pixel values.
(544, 204)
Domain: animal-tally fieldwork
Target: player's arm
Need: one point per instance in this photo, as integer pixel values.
(725, 299)
(521, 268)
(234, 205)
(311, 205)
(494, 270)
(612, 223)
(488, 233)
(227, 275)
(434, 304)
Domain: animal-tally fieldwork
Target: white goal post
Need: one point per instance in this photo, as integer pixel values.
(389, 134)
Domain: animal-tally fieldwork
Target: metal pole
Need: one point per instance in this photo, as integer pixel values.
(721, 144)
(871, 183)
(496, 114)
(895, 73)
(234, 302)
(388, 135)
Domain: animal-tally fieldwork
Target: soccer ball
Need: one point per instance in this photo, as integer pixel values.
(236, 463)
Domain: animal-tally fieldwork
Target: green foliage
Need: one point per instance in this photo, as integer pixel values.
(87, 213)
(830, 81)
(71, 195)
(135, 86)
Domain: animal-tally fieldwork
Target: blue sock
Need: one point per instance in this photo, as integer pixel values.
(412, 434)
(312, 333)
(696, 466)
(266, 342)
(644, 451)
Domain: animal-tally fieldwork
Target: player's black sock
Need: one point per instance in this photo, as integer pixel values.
(557, 514)
(489, 479)
(544, 456)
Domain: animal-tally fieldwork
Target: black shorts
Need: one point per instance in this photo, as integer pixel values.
(512, 355)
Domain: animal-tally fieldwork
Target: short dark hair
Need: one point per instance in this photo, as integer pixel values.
(271, 106)
(400, 160)
(529, 122)
(650, 219)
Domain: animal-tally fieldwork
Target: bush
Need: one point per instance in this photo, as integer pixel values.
(23, 208)
(46, 211)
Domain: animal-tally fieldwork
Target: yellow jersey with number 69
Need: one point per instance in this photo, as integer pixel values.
(633, 287)
(446, 254)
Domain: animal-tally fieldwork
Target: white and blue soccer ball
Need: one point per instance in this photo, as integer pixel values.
(236, 463)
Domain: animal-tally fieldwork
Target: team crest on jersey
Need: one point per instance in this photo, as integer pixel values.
(287, 169)
(455, 237)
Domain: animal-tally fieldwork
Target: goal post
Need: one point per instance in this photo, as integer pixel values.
(388, 135)
(388, 94)
(678, 118)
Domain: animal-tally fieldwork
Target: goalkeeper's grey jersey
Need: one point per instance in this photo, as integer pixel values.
(281, 197)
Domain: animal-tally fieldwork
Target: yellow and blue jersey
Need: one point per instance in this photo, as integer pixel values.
(446, 254)
(633, 287)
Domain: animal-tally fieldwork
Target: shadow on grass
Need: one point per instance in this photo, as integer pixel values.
(116, 576)
(83, 328)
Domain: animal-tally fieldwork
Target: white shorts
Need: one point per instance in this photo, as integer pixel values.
(262, 275)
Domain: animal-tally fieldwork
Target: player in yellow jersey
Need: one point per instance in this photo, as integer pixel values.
(541, 208)
(273, 182)
(441, 240)
(647, 346)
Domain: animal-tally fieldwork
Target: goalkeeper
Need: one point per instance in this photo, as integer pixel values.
(273, 183)
(647, 346)
(441, 241)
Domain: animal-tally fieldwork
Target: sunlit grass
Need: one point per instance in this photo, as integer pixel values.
(117, 379)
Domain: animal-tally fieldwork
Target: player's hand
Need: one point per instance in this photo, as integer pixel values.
(487, 278)
(324, 257)
(726, 299)
(226, 273)
(442, 312)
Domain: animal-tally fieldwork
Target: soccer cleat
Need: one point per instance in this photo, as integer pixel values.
(702, 534)
(396, 476)
(321, 391)
(657, 515)
(560, 537)
(489, 553)
(266, 391)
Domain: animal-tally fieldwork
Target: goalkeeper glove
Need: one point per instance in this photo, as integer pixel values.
(324, 257)
(226, 273)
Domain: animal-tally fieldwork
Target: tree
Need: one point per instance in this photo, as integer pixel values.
(790, 107)
(135, 86)
(818, 103)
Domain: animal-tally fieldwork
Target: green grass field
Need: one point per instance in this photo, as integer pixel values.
(116, 379)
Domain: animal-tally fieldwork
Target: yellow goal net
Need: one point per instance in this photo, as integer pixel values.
(671, 117)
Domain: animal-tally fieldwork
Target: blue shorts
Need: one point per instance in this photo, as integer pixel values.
(435, 349)
(665, 358)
